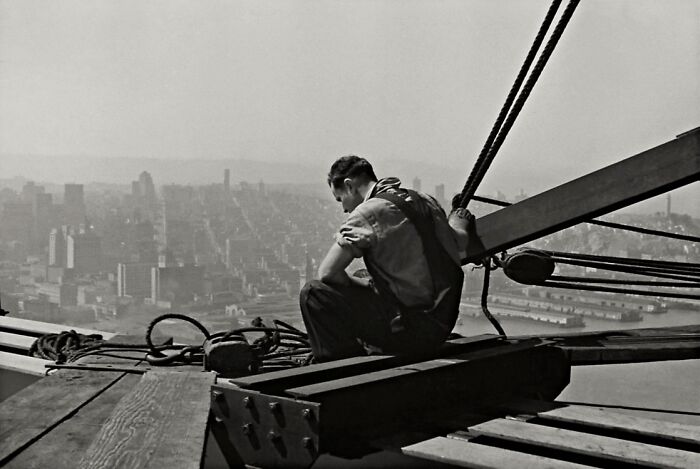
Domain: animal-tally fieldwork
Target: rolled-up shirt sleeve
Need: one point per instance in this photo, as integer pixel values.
(356, 233)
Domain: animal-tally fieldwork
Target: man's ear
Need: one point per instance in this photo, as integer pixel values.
(349, 184)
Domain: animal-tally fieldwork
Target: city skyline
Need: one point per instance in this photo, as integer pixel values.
(298, 84)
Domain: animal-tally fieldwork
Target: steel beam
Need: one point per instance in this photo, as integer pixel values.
(653, 172)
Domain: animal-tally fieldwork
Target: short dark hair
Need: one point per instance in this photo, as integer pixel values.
(348, 167)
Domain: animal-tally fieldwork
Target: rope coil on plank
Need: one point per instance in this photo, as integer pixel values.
(279, 346)
(62, 347)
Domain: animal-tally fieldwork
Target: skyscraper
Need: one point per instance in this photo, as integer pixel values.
(57, 248)
(74, 204)
(134, 279)
(143, 194)
(84, 252)
(41, 211)
(440, 194)
(416, 184)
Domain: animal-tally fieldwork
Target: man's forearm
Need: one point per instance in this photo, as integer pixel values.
(336, 278)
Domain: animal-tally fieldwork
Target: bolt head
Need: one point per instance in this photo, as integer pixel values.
(307, 442)
(307, 414)
(247, 402)
(218, 396)
(273, 435)
(247, 429)
(274, 406)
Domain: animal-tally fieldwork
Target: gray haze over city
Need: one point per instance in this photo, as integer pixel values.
(98, 91)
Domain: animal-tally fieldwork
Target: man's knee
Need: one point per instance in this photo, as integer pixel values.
(310, 289)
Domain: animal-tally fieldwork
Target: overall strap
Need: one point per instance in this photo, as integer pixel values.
(423, 222)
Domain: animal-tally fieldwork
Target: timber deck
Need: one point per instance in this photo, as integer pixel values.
(482, 401)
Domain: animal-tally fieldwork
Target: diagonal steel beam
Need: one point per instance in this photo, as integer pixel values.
(653, 172)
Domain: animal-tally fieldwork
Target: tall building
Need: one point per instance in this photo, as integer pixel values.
(42, 209)
(16, 222)
(178, 285)
(74, 204)
(57, 247)
(440, 194)
(30, 190)
(309, 268)
(134, 279)
(84, 252)
(416, 184)
(143, 194)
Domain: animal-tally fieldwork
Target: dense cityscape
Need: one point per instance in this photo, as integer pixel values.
(114, 259)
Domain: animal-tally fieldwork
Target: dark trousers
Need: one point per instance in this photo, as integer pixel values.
(342, 320)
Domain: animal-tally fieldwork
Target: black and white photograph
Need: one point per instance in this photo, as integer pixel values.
(349, 234)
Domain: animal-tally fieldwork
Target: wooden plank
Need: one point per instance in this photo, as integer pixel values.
(63, 446)
(606, 419)
(16, 341)
(23, 364)
(278, 380)
(612, 449)
(655, 171)
(39, 328)
(27, 415)
(162, 422)
(466, 454)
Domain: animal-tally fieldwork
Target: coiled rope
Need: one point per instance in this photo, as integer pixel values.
(279, 347)
(64, 346)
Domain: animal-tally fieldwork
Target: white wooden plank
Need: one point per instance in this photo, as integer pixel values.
(31, 327)
(612, 449)
(23, 364)
(466, 454)
(604, 418)
(16, 341)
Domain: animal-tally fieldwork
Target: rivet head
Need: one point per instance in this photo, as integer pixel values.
(248, 402)
(307, 414)
(274, 406)
(247, 429)
(218, 396)
(307, 442)
(273, 435)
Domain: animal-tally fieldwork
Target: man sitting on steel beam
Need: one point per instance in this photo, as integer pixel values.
(410, 302)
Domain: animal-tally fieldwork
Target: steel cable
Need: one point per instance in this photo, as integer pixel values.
(480, 169)
(503, 113)
(619, 290)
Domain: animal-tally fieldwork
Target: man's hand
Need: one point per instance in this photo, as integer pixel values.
(464, 225)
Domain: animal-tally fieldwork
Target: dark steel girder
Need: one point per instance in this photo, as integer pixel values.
(653, 172)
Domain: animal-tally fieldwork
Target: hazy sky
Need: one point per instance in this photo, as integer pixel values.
(306, 81)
